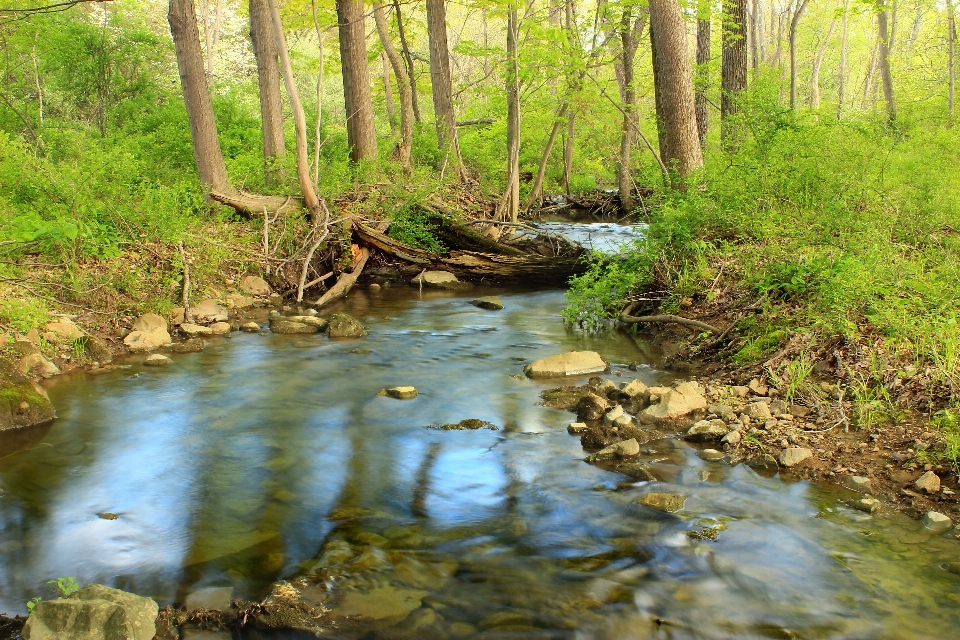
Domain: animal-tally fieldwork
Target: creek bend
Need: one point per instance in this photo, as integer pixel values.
(252, 460)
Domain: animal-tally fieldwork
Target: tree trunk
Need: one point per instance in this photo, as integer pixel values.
(756, 18)
(734, 69)
(310, 199)
(208, 39)
(268, 81)
(951, 55)
(568, 151)
(509, 208)
(388, 94)
(794, 23)
(817, 62)
(361, 134)
(914, 32)
(408, 61)
(182, 16)
(403, 86)
(537, 188)
(630, 29)
(674, 87)
(316, 127)
(884, 43)
(446, 119)
(702, 80)
(843, 59)
(871, 70)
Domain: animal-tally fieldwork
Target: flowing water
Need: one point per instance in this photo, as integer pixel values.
(267, 457)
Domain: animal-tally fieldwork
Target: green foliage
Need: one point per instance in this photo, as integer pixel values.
(23, 314)
(411, 225)
(32, 604)
(947, 421)
(63, 587)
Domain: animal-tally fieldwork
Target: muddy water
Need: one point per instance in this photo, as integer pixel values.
(268, 457)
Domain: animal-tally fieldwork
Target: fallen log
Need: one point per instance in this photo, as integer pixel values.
(392, 247)
(254, 203)
(346, 280)
(529, 268)
(465, 238)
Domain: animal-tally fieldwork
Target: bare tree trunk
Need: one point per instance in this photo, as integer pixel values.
(568, 151)
(388, 94)
(361, 134)
(630, 29)
(817, 62)
(446, 119)
(182, 16)
(316, 128)
(871, 70)
(403, 86)
(208, 39)
(702, 74)
(408, 60)
(951, 55)
(310, 199)
(914, 32)
(268, 80)
(794, 23)
(674, 86)
(884, 43)
(537, 190)
(509, 208)
(843, 59)
(211, 55)
(755, 43)
(734, 69)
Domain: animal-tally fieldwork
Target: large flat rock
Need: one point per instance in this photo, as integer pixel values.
(572, 363)
(95, 612)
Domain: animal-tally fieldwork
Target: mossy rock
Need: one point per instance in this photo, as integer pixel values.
(23, 403)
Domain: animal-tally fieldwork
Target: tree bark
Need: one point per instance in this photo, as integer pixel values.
(884, 42)
(509, 208)
(734, 69)
(310, 199)
(537, 188)
(388, 93)
(817, 63)
(794, 24)
(951, 55)
(268, 82)
(568, 150)
(702, 79)
(182, 16)
(408, 61)
(446, 119)
(674, 86)
(630, 29)
(403, 86)
(755, 36)
(208, 39)
(361, 134)
(843, 59)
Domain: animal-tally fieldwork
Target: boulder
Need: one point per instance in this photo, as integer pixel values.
(576, 428)
(149, 333)
(591, 407)
(936, 522)
(220, 328)
(493, 303)
(320, 323)
(95, 612)
(62, 330)
(928, 483)
(209, 311)
(250, 327)
(792, 456)
(343, 325)
(238, 302)
(707, 431)
(758, 410)
(283, 325)
(622, 449)
(668, 502)
(195, 330)
(633, 389)
(193, 345)
(400, 393)
(857, 483)
(23, 403)
(678, 402)
(573, 363)
(149, 322)
(36, 365)
(440, 280)
(157, 360)
(255, 286)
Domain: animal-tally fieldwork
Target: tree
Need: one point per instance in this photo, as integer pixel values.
(408, 61)
(268, 82)
(446, 119)
(794, 24)
(734, 67)
(702, 79)
(884, 40)
(361, 134)
(182, 17)
(842, 79)
(403, 86)
(631, 24)
(951, 54)
(509, 208)
(817, 63)
(673, 86)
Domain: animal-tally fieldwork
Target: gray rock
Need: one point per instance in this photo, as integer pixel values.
(573, 363)
(157, 360)
(866, 504)
(343, 325)
(209, 311)
(193, 345)
(668, 502)
(707, 431)
(613, 414)
(711, 455)
(928, 483)
(95, 612)
(623, 421)
(440, 280)
(858, 483)
(493, 303)
(250, 327)
(195, 330)
(936, 521)
(576, 428)
(676, 403)
(792, 456)
(255, 286)
(283, 326)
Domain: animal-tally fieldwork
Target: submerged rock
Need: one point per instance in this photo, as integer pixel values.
(468, 424)
(868, 505)
(343, 325)
(636, 470)
(400, 393)
(95, 612)
(492, 303)
(211, 598)
(380, 603)
(667, 502)
(193, 345)
(313, 321)
(572, 363)
(711, 455)
(440, 280)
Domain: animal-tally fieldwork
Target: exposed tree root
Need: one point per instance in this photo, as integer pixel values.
(670, 319)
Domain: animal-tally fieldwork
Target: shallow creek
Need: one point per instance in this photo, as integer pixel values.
(252, 460)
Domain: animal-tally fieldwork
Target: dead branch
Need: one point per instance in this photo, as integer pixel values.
(345, 281)
(313, 247)
(669, 319)
(253, 204)
(467, 123)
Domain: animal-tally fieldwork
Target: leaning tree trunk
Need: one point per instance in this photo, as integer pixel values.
(702, 80)
(182, 16)
(951, 54)
(388, 94)
(817, 62)
(794, 24)
(408, 61)
(630, 29)
(884, 43)
(310, 199)
(734, 69)
(674, 87)
(361, 135)
(537, 189)
(843, 59)
(268, 82)
(446, 119)
(403, 86)
(509, 208)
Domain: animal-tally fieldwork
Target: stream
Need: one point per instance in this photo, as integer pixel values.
(267, 456)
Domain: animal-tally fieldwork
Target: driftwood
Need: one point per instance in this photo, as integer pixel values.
(669, 319)
(254, 204)
(346, 280)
